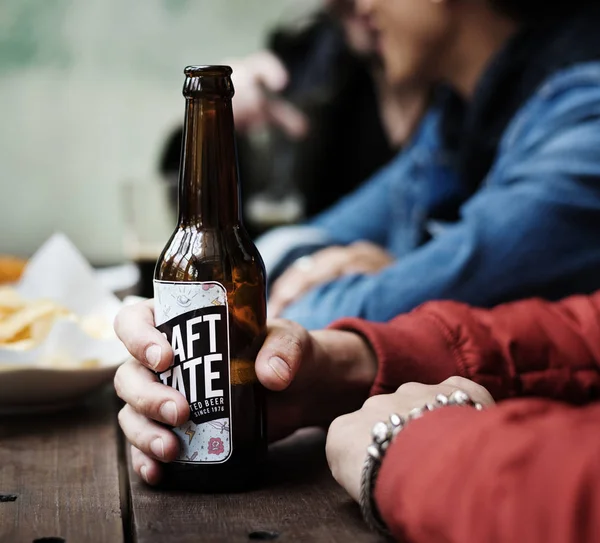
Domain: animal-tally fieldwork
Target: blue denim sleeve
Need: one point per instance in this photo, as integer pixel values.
(347, 221)
(366, 213)
(532, 230)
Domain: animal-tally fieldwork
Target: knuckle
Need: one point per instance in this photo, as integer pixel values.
(293, 345)
(117, 323)
(478, 392)
(121, 415)
(456, 381)
(149, 402)
(410, 387)
(121, 318)
(138, 348)
(361, 246)
(118, 383)
(136, 458)
(370, 402)
(125, 378)
(140, 403)
(337, 427)
(295, 330)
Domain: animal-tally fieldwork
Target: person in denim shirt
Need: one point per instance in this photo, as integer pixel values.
(504, 207)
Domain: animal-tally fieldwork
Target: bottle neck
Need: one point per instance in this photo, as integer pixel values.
(208, 179)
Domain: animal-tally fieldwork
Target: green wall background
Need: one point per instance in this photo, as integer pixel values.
(88, 91)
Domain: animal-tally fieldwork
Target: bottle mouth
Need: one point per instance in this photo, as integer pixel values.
(207, 71)
(212, 82)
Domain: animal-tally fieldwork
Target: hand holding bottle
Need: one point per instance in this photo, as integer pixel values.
(313, 378)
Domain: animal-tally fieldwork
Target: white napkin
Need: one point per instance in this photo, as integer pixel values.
(59, 272)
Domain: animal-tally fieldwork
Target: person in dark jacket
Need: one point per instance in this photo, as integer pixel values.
(314, 115)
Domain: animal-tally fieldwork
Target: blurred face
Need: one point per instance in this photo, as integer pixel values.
(358, 31)
(414, 37)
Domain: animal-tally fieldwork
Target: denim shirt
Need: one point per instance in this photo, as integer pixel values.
(532, 228)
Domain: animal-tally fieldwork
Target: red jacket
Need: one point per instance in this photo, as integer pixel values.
(526, 471)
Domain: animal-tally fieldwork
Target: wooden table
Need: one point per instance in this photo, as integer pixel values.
(64, 477)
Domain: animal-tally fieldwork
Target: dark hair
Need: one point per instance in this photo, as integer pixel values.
(538, 11)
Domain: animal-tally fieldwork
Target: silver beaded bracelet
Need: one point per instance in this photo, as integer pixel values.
(383, 435)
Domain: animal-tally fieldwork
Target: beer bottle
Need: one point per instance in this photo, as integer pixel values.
(209, 288)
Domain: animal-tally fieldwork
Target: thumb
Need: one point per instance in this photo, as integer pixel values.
(285, 349)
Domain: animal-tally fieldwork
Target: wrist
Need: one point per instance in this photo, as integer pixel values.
(347, 370)
(383, 435)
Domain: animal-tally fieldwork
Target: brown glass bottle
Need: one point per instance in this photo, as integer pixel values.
(210, 300)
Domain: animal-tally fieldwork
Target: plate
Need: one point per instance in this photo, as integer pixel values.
(30, 388)
(57, 371)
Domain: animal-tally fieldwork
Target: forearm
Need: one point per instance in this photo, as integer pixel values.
(522, 471)
(347, 364)
(525, 348)
(411, 348)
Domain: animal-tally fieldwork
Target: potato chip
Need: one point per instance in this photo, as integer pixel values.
(28, 315)
(11, 268)
(21, 345)
(97, 326)
(10, 299)
(24, 324)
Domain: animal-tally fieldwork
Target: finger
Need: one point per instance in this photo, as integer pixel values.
(286, 347)
(148, 469)
(283, 293)
(304, 274)
(475, 391)
(324, 266)
(288, 117)
(140, 388)
(292, 284)
(366, 257)
(270, 71)
(134, 326)
(149, 437)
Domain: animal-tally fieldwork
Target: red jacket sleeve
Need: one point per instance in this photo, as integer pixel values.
(526, 470)
(526, 348)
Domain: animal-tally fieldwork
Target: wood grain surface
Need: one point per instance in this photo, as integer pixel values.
(59, 474)
(300, 501)
(64, 477)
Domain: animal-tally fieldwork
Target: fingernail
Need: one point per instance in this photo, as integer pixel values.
(168, 412)
(153, 355)
(144, 473)
(158, 448)
(279, 366)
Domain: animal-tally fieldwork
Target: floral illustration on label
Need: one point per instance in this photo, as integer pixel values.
(215, 446)
(194, 319)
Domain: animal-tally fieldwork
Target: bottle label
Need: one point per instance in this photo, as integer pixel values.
(194, 319)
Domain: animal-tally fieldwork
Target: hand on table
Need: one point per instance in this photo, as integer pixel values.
(314, 378)
(322, 267)
(350, 435)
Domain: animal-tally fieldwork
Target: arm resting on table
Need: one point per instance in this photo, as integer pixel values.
(526, 470)
(526, 348)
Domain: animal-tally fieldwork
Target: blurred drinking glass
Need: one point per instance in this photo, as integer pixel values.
(150, 211)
